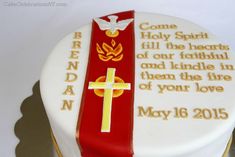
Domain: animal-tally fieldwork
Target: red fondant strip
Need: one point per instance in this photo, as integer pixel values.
(117, 52)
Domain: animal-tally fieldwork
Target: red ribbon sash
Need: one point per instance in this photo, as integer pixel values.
(109, 80)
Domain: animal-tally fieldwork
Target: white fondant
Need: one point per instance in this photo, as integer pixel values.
(51, 89)
(176, 137)
(152, 137)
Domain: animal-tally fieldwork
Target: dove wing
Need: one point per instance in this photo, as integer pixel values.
(104, 25)
(121, 25)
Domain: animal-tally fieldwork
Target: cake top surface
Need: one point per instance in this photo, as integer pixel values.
(160, 81)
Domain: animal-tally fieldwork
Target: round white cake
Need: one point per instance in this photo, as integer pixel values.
(141, 85)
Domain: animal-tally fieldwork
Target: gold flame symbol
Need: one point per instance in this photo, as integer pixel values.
(110, 52)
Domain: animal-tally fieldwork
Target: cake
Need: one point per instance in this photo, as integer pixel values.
(142, 85)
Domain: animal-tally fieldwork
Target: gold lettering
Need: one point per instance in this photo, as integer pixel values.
(72, 65)
(172, 88)
(76, 44)
(160, 65)
(143, 112)
(69, 90)
(163, 56)
(148, 65)
(208, 89)
(147, 26)
(67, 105)
(208, 47)
(191, 36)
(74, 54)
(145, 75)
(149, 112)
(77, 35)
(71, 77)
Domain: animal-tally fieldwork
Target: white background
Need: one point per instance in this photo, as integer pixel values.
(29, 31)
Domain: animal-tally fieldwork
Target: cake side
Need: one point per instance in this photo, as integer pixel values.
(61, 87)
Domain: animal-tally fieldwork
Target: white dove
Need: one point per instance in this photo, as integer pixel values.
(113, 25)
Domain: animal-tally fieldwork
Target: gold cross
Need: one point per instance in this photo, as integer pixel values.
(109, 85)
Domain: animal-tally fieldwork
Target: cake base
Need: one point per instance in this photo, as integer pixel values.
(57, 149)
(228, 147)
